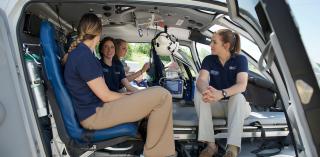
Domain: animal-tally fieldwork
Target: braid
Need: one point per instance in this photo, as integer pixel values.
(75, 43)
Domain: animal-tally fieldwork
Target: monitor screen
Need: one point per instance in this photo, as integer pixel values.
(172, 85)
(175, 86)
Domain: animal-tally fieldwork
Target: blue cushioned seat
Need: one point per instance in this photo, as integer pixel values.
(72, 126)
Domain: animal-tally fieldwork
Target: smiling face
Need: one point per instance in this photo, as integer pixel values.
(108, 50)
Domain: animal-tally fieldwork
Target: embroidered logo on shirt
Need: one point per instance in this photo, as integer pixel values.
(105, 70)
(117, 72)
(213, 72)
(232, 67)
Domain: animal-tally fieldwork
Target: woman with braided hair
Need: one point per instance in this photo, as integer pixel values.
(222, 79)
(97, 107)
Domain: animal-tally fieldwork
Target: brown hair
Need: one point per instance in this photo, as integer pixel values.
(89, 27)
(228, 36)
(117, 44)
(104, 40)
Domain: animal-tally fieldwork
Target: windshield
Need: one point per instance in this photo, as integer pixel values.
(308, 28)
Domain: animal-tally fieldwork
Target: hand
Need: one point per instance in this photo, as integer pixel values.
(211, 95)
(145, 67)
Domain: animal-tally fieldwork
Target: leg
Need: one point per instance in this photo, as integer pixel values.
(238, 109)
(205, 112)
(154, 102)
(205, 132)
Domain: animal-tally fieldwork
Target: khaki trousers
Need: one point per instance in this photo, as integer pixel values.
(236, 109)
(155, 102)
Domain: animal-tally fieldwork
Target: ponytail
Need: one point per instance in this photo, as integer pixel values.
(236, 45)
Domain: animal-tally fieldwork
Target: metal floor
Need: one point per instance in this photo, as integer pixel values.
(248, 145)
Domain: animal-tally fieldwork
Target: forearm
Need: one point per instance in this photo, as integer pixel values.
(134, 75)
(128, 86)
(235, 89)
(202, 85)
(111, 96)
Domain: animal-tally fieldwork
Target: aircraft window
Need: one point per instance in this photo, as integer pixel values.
(187, 51)
(247, 10)
(203, 51)
(137, 55)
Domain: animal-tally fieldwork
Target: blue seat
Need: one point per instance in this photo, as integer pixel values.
(69, 128)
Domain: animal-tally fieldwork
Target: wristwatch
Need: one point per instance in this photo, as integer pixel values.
(224, 93)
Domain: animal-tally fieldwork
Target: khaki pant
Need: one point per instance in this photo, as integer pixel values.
(155, 102)
(236, 109)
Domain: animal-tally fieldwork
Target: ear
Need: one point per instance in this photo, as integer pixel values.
(227, 46)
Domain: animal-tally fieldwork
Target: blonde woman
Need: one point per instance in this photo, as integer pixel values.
(97, 107)
(121, 51)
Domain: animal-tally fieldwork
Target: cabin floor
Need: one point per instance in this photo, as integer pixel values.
(248, 145)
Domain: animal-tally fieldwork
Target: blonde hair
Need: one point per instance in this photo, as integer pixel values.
(117, 44)
(89, 27)
(228, 36)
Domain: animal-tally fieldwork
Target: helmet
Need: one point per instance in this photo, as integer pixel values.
(165, 44)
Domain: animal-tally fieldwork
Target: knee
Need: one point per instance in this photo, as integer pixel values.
(239, 98)
(237, 102)
(163, 93)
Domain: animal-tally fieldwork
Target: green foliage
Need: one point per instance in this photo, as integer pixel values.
(139, 52)
(129, 52)
(165, 59)
(137, 49)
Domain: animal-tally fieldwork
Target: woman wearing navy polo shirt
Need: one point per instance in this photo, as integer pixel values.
(222, 79)
(113, 71)
(97, 107)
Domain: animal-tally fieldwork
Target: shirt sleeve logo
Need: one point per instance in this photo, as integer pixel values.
(214, 72)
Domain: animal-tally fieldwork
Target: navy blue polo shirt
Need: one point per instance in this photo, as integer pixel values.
(222, 77)
(81, 67)
(119, 62)
(113, 75)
